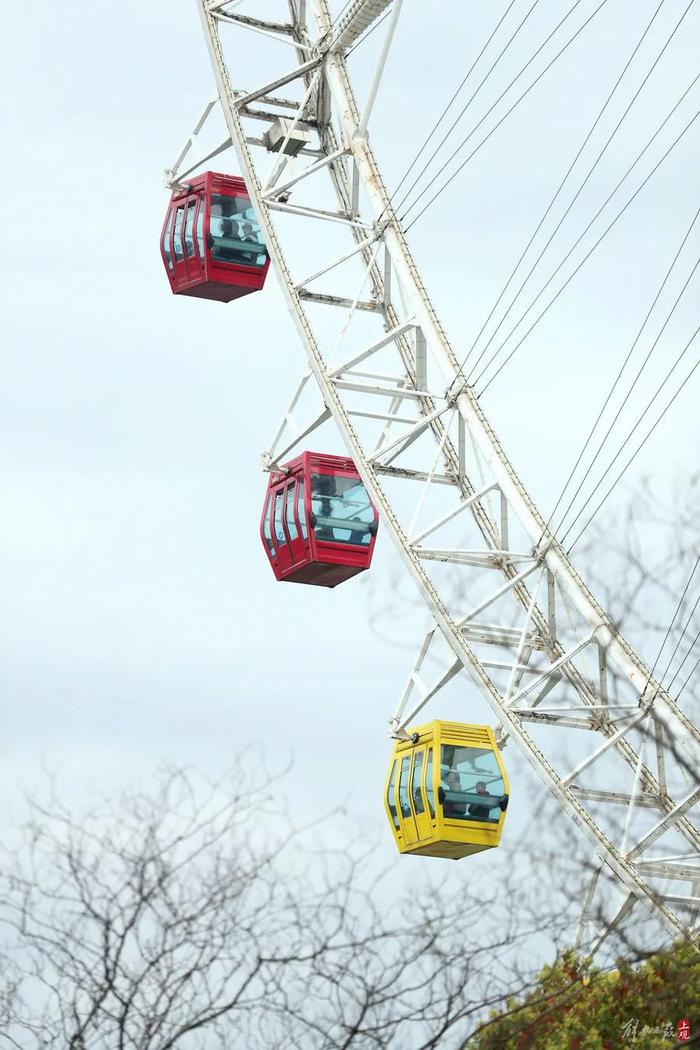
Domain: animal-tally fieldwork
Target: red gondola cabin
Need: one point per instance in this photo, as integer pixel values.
(318, 525)
(211, 242)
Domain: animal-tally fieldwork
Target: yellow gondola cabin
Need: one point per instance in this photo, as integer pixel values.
(447, 791)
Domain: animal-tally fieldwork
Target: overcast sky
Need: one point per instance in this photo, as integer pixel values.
(140, 619)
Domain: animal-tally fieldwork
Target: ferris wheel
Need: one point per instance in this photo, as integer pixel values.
(619, 760)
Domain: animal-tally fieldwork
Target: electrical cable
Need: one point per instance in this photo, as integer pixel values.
(595, 245)
(507, 114)
(645, 439)
(586, 178)
(613, 388)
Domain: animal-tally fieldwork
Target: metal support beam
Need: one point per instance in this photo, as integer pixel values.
(666, 822)
(286, 78)
(378, 344)
(354, 21)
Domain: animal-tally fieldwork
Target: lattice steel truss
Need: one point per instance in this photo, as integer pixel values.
(608, 741)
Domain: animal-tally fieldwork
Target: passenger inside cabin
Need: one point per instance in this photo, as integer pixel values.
(477, 811)
(452, 784)
(235, 232)
(342, 510)
(324, 488)
(477, 777)
(356, 498)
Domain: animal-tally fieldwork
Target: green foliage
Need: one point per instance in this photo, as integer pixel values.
(574, 1006)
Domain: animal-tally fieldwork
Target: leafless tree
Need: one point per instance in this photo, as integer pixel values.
(201, 918)
(197, 915)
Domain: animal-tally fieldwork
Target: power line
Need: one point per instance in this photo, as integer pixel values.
(613, 387)
(498, 124)
(644, 441)
(595, 245)
(580, 189)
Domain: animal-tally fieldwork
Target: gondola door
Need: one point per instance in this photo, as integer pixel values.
(302, 516)
(179, 270)
(406, 808)
(292, 522)
(193, 238)
(416, 813)
(424, 824)
(391, 802)
(279, 532)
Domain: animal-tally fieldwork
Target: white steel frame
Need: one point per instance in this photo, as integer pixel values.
(430, 399)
